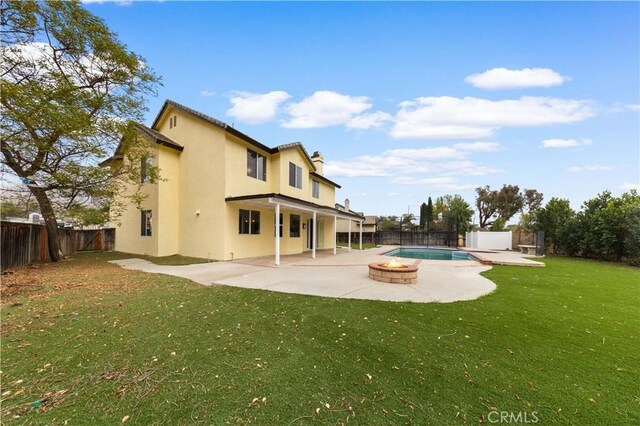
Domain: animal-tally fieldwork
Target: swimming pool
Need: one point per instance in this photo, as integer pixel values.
(430, 254)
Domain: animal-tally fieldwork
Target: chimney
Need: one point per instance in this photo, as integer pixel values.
(318, 161)
(346, 204)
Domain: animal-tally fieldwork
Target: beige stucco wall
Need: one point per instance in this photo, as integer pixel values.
(168, 211)
(201, 185)
(128, 238)
(237, 183)
(327, 192)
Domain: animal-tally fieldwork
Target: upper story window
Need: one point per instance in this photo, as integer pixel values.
(315, 189)
(173, 121)
(146, 162)
(295, 176)
(256, 165)
(249, 222)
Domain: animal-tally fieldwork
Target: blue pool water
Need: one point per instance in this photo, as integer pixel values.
(430, 254)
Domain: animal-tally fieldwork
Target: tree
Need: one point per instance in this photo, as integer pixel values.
(429, 213)
(460, 213)
(423, 216)
(407, 220)
(532, 200)
(551, 218)
(387, 223)
(486, 205)
(509, 201)
(69, 89)
(505, 203)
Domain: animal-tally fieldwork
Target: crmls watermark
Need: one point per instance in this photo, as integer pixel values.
(513, 417)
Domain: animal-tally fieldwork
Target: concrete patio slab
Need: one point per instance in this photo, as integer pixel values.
(344, 275)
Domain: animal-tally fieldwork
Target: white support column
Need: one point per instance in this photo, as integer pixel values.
(335, 235)
(360, 235)
(277, 234)
(315, 235)
(349, 234)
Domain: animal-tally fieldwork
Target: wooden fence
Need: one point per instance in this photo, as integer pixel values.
(25, 243)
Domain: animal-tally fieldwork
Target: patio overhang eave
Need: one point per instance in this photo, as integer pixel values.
(273, 199)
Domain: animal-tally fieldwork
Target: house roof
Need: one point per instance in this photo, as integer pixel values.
(295, 200)
(294, 145)
(154, 135)
(208, 119)
(158, 137)
(324, 179)
(232, 130)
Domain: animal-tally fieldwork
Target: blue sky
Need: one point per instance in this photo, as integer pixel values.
(410, 100)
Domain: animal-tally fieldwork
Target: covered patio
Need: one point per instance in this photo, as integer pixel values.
(313, 212)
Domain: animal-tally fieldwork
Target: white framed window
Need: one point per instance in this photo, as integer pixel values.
(249, 222)
(279, 225)
(146, 163)
(294, 226)
(315, 189)
(295, 176)
(145, 223)
(256, 165)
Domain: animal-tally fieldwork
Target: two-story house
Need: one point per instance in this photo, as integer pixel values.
(223, 195)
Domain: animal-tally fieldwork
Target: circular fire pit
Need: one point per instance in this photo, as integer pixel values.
(394, 272)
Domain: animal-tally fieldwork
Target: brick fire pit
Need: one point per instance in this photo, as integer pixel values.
(404, 274)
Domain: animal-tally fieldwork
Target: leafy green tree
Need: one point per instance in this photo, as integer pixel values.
(551, 218)
(423, 216)
(498, 224)
(69, 89)
(486, 203)
(407, 220)
(429, 213)
(387, 223)
(88, 215)
(460, 212)
(9, 209)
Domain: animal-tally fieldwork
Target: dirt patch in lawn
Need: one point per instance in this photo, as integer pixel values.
(78, 273)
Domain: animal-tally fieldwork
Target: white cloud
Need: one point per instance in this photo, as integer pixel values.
(471, 118)
(628, 186)
(504, 78)
(633, 107)
(564, 143)
(446, 161)
(441, 183)
(326, 108)
(478, 146)
(592, 168)
(424, 153)
(366, 121)
(207, 93)
(255, 108)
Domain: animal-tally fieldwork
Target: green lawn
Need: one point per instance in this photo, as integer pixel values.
(560, 341)
(356, 246)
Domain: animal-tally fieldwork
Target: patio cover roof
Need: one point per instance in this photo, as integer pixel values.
(271, 199)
